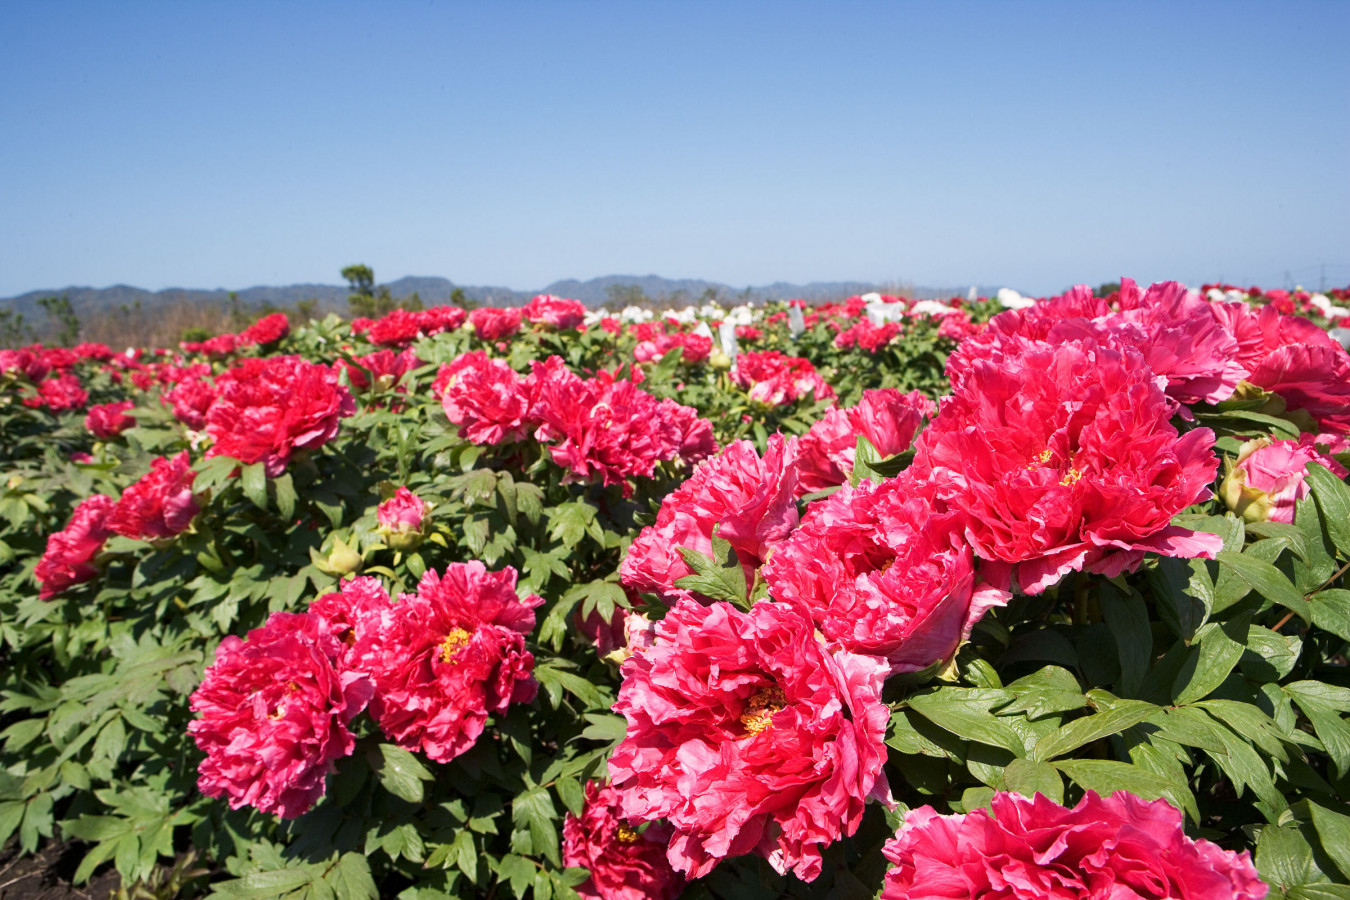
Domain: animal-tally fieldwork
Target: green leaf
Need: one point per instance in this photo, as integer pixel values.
(399, 771)
(1333, 499)
(1332, 730)
(607, 728)
(863, 457)
(965, 713)
(1091, 728)
(717, 580)
(1333, 830)
(1267, 580)
(533, 811)
(1049, 690)
(1217, 649)
(253, 479)
(1029, 778)
(1127, 617)
(284, 488)
(1284, 857)
(1331, 612)
(1107, 776)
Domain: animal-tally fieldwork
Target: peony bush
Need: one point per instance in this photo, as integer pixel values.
(999, 597)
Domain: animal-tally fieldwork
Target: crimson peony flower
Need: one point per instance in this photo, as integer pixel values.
(191, 399)
(694, 348)
(96, 352)
(1293, 358)
(217, 347)
(266, 409)
(491, 323)
(23, 362)
(486, 398)
(444, 658)
(354, 616)
(272, 716)
(1063, 458)
(607, 429)
(1270, 477)
(68, 559)
(749, 500)
(61, 393)
(161, 504)
(387, 367)
(555, 312)
(774, 379)
(884, 570)
(747, 734)
(1105, 848)
(867, 336)
(266, 330)
(888, 419)
(625, 863)
(107, 420)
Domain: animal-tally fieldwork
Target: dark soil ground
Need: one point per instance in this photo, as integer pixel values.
(46, 875)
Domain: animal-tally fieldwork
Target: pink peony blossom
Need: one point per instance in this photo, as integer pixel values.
(107, 420)
(493, 324)
(555, 312)
(1270, 477)
(888, 419)
(446, 657)
(69, 557)
(747, 499)
(60, 393)
(191, 399)
(354, 616)
(266, 409)
(485, 398)
(609, 430)
(161, 504)
(695, 348)
(267, 330)
(1105, 848)
(1063, 458)
(272, 716)
(748, 735)
(625, 864)
(774, 379)
(386, 366)
(884, 571)
(867, 336)
(401, 520)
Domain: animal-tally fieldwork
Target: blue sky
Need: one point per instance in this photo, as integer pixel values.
(1030, 144)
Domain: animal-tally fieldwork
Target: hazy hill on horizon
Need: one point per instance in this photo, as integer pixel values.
(434, 290)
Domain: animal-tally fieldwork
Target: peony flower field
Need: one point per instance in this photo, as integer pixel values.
(977, 598)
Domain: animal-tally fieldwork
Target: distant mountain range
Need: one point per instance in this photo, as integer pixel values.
(436, 291)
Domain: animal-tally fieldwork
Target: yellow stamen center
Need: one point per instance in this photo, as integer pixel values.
(1040, 459)
(1070, 477)
(759, 710)
(454, 642)
(626, 834)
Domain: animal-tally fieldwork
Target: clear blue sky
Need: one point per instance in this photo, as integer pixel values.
(1032, 144)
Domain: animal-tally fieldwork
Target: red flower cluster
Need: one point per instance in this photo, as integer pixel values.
(774, 379)
(694, 348)
(59, 393)
(555, 312)
(888, 419)
(69, 557)
(748, 500)
(1023, 848)
(190, 400)
(401, 327)
(273, 713)
(267, 330)
(602, 428)
(107, 420)
(266, 409)
(492, 323)
(1062, 456)
(386, 367)
(625, 863)
(446, 657)
(747, 734)
(884, 571)
(867, 336)
(160, 505)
